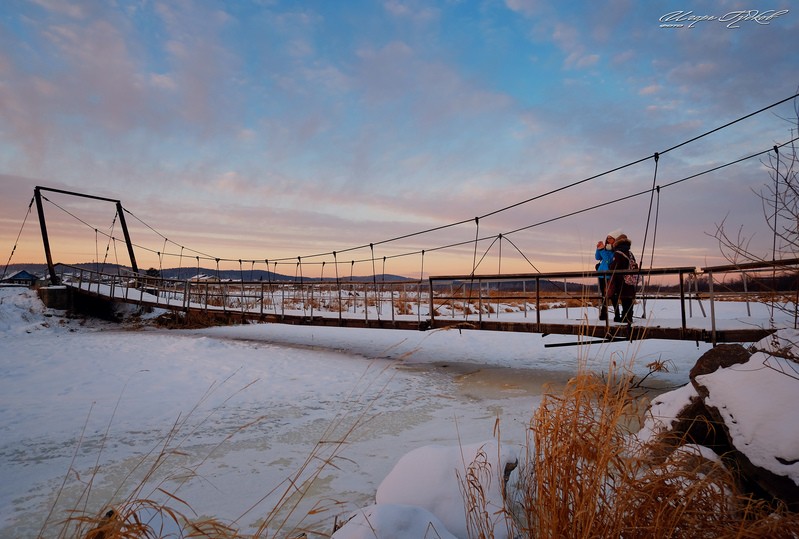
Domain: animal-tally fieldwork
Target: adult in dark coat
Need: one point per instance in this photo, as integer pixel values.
(617, 289)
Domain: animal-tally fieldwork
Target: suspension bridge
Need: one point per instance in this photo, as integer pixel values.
(561, 303)
(557, 303)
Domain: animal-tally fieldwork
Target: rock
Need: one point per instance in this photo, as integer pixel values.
(734, 416)
(720, 357)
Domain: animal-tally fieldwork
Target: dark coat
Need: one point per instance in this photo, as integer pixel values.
(620, 262)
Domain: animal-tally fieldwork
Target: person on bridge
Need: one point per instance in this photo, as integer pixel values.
(620, 288)
(604, 253)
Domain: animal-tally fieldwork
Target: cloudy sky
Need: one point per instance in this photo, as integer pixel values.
(271, 130)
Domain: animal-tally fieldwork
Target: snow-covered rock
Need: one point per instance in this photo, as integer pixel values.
(753, 402)
(390, 521)
(433, 477)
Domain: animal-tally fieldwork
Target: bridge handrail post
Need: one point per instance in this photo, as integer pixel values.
(419, 301)
(432, 310)
(538, 304)
(524, 295)
(682, 301)
(746, 293)
(391, 291)
(479, 301)
(340, 304)
(366, 303)
(262, 298)
(186, 295)
(712, 309)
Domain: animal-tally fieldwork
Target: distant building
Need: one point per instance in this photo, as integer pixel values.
(202, 277)
(22, 278)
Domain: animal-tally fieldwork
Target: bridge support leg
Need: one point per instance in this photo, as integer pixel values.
(45, 239)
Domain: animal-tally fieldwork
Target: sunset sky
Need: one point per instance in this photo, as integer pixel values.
(271, 130)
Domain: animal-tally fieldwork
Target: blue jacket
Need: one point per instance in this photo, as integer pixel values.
(605, 257)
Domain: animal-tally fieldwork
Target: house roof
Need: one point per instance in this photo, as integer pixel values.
(22, 276)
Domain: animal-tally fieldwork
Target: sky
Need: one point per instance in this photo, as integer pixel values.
(271, 130)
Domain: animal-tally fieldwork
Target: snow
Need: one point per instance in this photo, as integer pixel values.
(243, 413)
(434, 478)
(758, 401)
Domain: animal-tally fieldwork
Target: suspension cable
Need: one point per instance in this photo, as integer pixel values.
(649, 213)
(19, 234)
(458, 223)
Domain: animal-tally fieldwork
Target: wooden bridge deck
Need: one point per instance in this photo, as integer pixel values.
(584, 329)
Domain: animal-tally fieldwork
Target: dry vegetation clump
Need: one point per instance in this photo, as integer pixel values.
(582, 477)
(195, 320)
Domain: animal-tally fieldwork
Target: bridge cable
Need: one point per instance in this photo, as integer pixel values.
(474, 265)
(649, 216)
(419, 293)
(16, 242)
(543, 194)
(499, 272)
(521, 253)
(507, 233)
(338, 285)
(374, 281)
(528, 200)
(108, 244)
(96, 251)
(574, 184)
(728, 124)
(774, 235)
(649, 213)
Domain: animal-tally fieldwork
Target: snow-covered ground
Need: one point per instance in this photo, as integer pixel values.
(91, 403)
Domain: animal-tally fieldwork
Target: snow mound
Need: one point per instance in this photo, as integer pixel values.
(432, 477)
(389, 521)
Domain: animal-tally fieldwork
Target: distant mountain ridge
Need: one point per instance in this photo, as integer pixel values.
(188, 273)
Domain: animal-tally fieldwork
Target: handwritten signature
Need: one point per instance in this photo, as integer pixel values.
(687, 19)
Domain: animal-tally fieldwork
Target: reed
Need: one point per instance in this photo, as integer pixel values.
(584, 475)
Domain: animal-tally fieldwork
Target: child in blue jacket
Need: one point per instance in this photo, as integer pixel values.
(604, 253)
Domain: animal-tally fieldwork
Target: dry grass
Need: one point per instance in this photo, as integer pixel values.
(582, 477)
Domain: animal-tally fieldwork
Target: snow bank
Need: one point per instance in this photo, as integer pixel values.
(388, 521)
(435, 478)
(759, 401)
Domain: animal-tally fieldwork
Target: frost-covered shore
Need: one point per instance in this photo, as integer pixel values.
(78, 394)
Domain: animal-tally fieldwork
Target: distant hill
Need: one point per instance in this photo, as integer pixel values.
(187, 273)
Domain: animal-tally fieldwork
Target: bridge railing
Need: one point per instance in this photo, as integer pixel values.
(377, 299)
(481, 296)
(472, 298)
